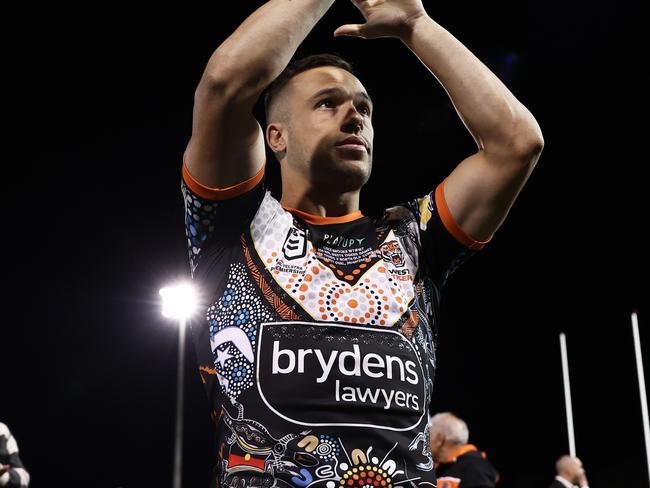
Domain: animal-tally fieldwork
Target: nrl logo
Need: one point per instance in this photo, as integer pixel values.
(392, 253)
(295, 245)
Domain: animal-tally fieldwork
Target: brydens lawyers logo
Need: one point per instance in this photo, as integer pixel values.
(347, 376)
(295, 245)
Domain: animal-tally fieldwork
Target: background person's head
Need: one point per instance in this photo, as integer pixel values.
(446, 434)
(312, 108)
(570, 468)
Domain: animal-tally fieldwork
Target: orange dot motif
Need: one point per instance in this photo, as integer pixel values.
(366, 476)
(360, 304)
(367, 295)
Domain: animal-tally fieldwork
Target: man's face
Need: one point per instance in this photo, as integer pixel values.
(576, 471)
(329, 132)
(436, 441)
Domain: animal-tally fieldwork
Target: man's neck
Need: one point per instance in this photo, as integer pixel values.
(321, 202)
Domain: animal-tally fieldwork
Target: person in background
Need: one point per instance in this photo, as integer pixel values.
(570, 473)
(12, 472)
(458, 464)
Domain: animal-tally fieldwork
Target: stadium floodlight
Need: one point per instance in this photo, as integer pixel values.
(179, 302)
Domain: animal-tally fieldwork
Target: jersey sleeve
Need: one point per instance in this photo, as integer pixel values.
(216, 216)
(443, 246)
(17, 476)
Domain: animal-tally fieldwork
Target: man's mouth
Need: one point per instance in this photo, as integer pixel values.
(354, 143)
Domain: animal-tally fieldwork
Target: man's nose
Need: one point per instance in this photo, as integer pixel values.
(353, 121)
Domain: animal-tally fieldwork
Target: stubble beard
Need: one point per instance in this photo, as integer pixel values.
(331, 168)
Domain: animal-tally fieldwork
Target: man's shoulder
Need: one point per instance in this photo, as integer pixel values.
(475, 456)
(556, 484)
(400, 218)
(477, 466)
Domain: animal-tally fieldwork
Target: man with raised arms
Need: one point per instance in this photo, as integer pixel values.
(317, 342)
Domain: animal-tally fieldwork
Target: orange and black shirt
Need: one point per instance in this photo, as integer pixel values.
(467, 468)
(317, 341)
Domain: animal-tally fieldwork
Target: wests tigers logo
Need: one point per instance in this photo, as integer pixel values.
(393, 253)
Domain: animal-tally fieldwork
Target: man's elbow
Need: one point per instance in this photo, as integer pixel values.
(529, 148)
(527, 142)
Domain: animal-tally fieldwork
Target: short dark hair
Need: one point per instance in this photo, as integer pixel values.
(297, 67)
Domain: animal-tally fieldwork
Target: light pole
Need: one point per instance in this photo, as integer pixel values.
(179, 302)
(644, 398)
(567, 394)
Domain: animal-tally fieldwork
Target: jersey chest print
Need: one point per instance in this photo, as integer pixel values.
(321, 349)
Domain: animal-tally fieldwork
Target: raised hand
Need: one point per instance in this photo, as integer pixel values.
(384, 18)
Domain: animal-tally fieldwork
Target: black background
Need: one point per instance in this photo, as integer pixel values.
(99, 100)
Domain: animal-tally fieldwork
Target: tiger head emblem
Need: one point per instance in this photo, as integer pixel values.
(391, 252)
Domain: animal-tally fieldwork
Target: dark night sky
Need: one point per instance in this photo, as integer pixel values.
(99, 112)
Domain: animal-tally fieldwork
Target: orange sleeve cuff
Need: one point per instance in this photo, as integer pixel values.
(450, 224)
(226, 193)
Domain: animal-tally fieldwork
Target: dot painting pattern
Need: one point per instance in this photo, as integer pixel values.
(199, 218)
(328, 448)
(377, 299)
(239, 309)
(366, 476)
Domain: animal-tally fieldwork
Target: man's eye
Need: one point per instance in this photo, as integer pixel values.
(364, 109)
(326, 104)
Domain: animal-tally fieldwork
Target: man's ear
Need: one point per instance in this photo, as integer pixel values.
(439, 439)
(275, 137)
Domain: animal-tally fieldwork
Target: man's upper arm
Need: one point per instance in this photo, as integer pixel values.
(480, 191)
(227, 144)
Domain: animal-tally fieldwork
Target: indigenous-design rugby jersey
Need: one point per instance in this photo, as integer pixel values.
(317, 344)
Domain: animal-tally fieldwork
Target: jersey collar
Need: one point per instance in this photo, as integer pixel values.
(460, 451)
(318, 220)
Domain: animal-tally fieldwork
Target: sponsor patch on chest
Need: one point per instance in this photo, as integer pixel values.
(321, 374)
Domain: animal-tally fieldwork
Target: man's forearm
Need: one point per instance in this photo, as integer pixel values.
(489, 110)
(262, 46)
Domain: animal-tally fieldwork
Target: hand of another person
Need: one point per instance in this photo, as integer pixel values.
(4, 468)
(384, 18)
(582, 479)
